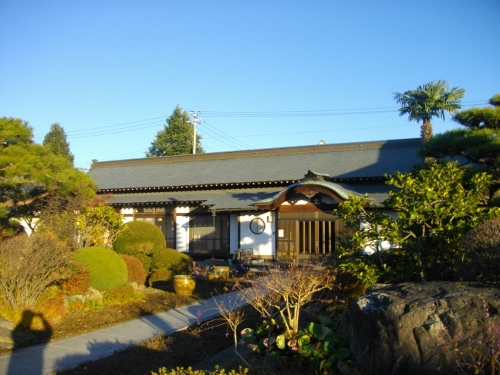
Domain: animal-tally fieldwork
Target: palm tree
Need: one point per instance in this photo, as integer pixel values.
(430, 100)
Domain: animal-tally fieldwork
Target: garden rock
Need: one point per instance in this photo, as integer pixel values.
(414, 328)
(6, 328)
(10, 337)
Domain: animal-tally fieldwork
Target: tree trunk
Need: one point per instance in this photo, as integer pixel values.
(426, 134)
(426, 130)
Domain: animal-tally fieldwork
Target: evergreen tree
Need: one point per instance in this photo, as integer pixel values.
(55, 141)
(176, 138)
(29, 175)
(478, 142)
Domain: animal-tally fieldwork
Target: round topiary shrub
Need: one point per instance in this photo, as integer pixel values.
(140, 239)
(135, 269)
(177, 262)
(481, 255)
(107, 269)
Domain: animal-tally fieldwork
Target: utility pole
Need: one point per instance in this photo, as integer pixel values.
(196, 121)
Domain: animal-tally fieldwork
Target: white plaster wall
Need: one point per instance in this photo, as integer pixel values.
(372, 248)
(182, 229)
(262, 244)
(127, 211)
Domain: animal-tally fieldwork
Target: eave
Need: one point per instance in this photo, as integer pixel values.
(228, 185)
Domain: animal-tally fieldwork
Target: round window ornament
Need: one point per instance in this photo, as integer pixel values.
(257, 225)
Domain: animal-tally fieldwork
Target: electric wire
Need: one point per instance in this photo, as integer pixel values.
(220, 134)
(153, 122)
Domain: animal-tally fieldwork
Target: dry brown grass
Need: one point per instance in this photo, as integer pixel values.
(158, 299)
(183, 349)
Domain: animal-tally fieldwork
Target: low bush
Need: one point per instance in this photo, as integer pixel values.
(50, 308)
(107, 269)
(28, 265)
(140, 238)
(146, 261)
(481, 255)
(78, 282)
(179, 263)
(190, 371)
(314, 349)
(136, 272)
(123, 294)
(160, 275)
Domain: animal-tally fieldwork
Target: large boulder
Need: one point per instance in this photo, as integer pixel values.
(414, 329)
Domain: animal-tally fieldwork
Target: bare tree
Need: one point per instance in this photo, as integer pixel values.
(231, 310)
(28, 265)
(285, 293)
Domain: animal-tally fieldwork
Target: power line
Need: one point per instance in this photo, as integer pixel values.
(153, 122)
(229, 138)
(317, 112)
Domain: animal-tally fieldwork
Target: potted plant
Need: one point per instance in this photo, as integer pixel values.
(184, 284)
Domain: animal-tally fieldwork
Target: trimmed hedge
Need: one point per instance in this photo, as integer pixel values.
(179, 263)
(160, 275)
(107, 269)
(140, 239)
(167, 263)
(135, 269)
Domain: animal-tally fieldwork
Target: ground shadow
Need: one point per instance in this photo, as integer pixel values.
(23, 335)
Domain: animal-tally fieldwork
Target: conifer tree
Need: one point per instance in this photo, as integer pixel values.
(29, 175)
(176, 138)
(55, 141)
(478, 142)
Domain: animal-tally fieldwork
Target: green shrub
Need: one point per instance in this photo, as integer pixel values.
(78, 283)
(179, 263)
(140, 239)
(190, 371)
(107, 269)
(135, 269)
(123, 294)
(160, 275)
(146, 261)
(481, 256)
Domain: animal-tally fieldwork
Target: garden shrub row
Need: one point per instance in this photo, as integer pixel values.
(139, 250)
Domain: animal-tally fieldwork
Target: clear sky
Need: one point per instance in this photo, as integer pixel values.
(262, 74)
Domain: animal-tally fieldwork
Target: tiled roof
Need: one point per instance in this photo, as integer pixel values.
(237, 199)
(227, 200)
(340, 161)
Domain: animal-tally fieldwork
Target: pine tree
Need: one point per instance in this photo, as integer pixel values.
(176, 138)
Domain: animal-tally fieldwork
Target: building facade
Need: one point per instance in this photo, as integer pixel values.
(277, 202)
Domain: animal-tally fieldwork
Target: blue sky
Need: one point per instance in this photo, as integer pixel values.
(262, 74)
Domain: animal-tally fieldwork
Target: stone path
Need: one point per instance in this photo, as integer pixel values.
(71, 352)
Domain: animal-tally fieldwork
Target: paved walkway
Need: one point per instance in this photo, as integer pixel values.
(71, 352)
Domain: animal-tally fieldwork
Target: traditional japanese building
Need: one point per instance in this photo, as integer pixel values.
(278, 202)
